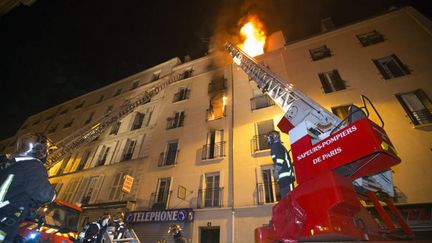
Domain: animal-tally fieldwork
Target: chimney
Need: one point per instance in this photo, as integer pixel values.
(327, 24)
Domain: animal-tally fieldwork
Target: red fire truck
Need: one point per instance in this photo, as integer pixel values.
(55, 222)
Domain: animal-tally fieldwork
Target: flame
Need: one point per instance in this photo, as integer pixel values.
(255, 37)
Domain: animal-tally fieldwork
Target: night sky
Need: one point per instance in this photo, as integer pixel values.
(56, 50)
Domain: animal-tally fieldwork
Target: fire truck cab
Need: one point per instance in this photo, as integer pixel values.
(55, 222)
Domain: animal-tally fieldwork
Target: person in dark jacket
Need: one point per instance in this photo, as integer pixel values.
(283, 169)
(24, 183)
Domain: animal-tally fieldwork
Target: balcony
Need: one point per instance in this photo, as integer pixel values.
(261, 101)
(159, 201)
(168, 158)
(259, 143)
(267, 193)
(213, 151)
(210, 197)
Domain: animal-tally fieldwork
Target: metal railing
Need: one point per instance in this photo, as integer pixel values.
(213, 151)
(210, 197)
(168, 158)
(259, 143)
(423, 116)
(267, 192)
(261, 101)
(159, 201)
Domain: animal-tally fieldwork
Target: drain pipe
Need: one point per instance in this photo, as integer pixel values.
(231, 153)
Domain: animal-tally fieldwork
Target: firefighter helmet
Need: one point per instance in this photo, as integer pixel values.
(35, 145)
(118, 217)
(273, 137)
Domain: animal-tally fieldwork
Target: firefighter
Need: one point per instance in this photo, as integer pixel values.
(96, 231)
(283, 169)
(176, 230)
(119, 225)
(23, 183)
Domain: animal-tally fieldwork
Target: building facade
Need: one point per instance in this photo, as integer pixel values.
(196, 153)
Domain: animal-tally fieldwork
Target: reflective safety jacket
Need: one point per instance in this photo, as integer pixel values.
(23, 185)
(281, 161)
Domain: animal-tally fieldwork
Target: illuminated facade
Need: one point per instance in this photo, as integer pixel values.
(199, 146)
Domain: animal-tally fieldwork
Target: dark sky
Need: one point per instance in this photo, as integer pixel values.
(56, 50)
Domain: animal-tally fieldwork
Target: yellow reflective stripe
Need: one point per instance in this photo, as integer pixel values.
(5, 187)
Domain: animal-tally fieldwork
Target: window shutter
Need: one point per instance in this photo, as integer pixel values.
(338, 83)
(325, 83)
(403, 66)
(97, 189)
(381, 69)
(82, 187)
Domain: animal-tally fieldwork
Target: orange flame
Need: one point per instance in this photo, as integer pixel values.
(255, 37)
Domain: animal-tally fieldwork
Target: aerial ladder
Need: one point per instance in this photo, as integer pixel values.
(89, 133)
(336, 161)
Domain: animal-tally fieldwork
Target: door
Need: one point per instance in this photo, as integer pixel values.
(209, 235)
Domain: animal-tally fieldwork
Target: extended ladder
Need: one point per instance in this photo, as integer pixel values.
(297, 106)
(90, 132)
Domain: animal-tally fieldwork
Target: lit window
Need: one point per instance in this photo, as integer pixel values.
(417, 105)
(320, 53)
(211, 195)
(370, 38)
(331, 81)
(391, 67)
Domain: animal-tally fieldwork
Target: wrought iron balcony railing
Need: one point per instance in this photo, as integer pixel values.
(168, 158)
(213, 151)
(159, 201)
(267, 193)
(210, 197)
(261, 101)
(259, 143)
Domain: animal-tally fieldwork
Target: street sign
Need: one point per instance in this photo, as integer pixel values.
(127, 184)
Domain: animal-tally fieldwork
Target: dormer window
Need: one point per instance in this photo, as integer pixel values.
(370, 38)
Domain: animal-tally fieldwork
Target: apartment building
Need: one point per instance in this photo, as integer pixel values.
(196, 153)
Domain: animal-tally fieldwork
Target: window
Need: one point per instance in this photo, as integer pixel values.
(116, 192)
(417, 105)
(268, 190)
(331, 81)
(109, 109)
(320, 53)
(118, 92)
(261, 101)
(64, 111)
(70, 190)
(36, 122)
(186, 73)
(259, 141)
(103, 155)
(69, 124)
(84, 158)
(216, 85)
(138, 121)
(212, 194)
(182, 94)
(169, 157)
(176, 121)
(160, 198)
(217, 107)
(89, 119)
(24, 126)
(391, 67)
(63, 165)
(129, 150)
(370, 38)
(80, 105)
(115, 128)
(155, 76)
(50, 117)
(89, 188)
(135, 85)
(101, 98)
(53, 129)
(215, 146)
(341, 111)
